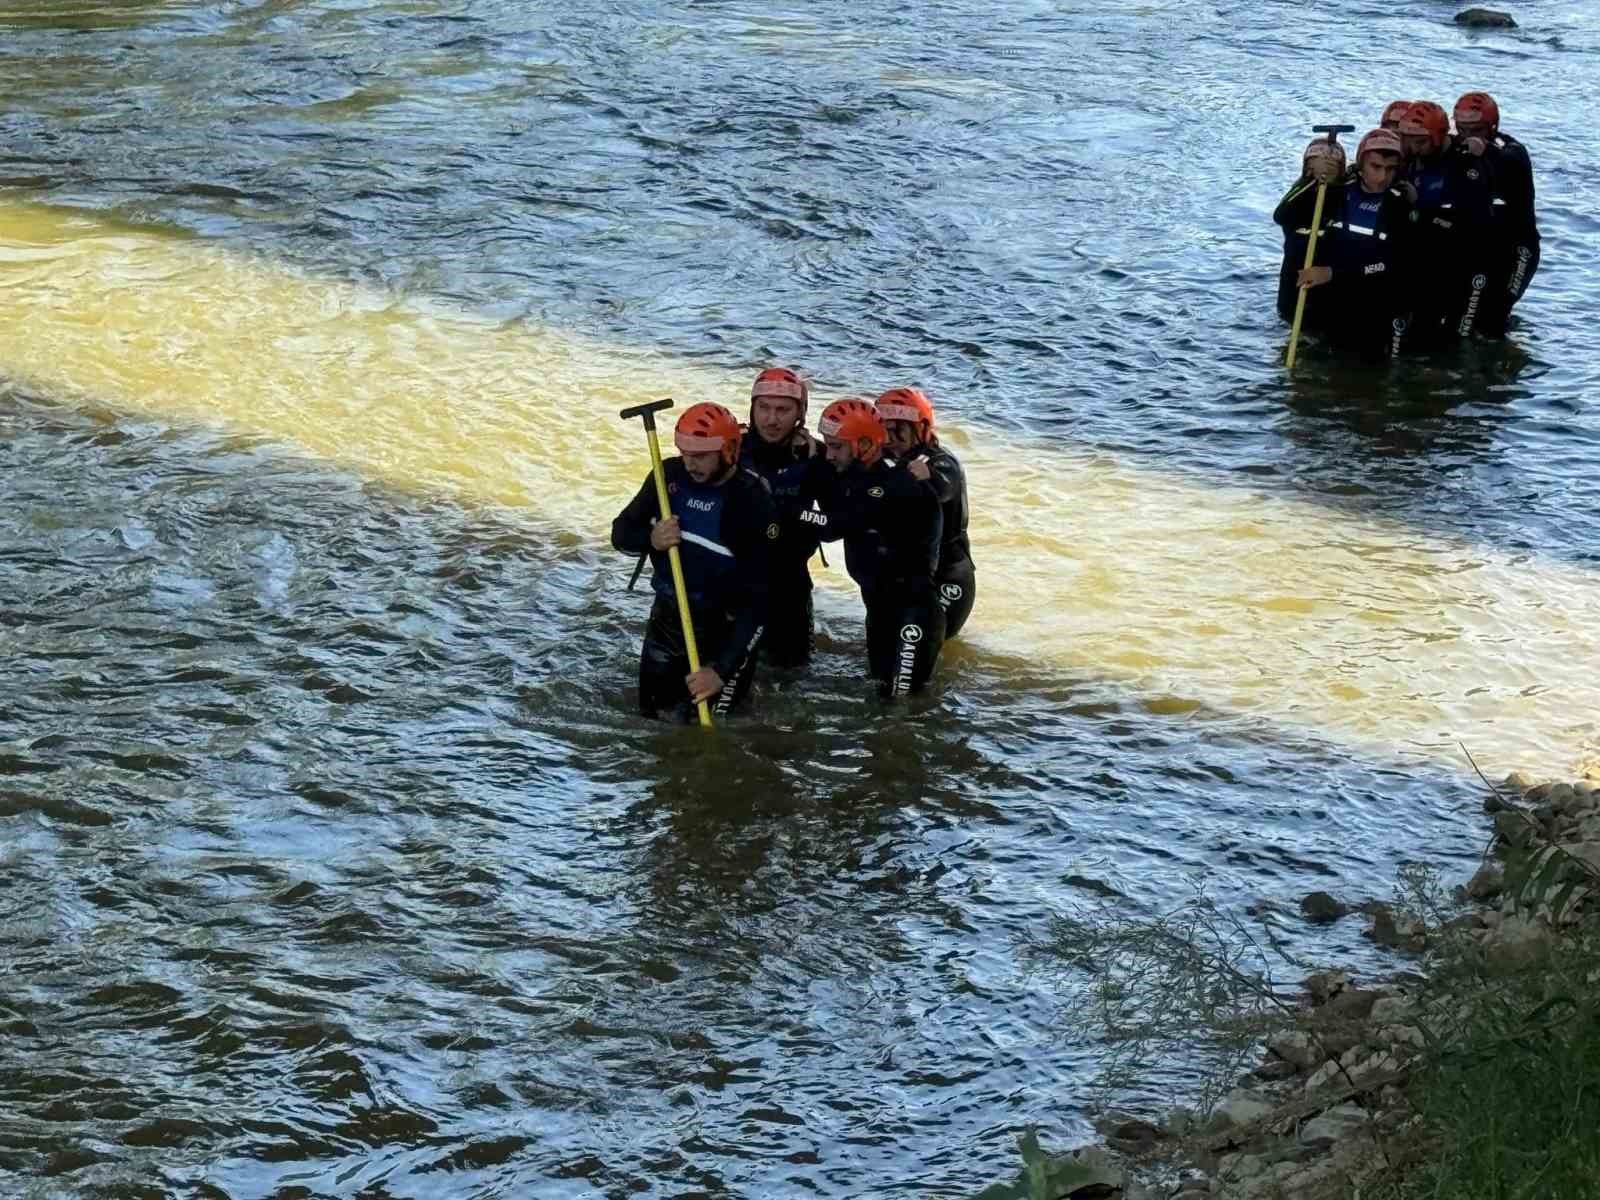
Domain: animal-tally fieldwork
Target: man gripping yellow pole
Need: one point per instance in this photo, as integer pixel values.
(1333, 132)
(648, 412)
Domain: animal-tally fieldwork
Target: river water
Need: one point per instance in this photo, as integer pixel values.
(333, 861)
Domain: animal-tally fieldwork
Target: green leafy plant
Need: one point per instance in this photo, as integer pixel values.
(1044, 1176)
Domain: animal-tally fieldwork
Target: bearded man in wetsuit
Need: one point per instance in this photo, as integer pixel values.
(892, 527)
(1451, 183)
(777, 447)
(1515, 227)
(1361, 279)
(907, 416)
(724, 526)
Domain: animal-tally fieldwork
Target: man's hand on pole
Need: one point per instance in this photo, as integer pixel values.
(665, 534)
(703, 684)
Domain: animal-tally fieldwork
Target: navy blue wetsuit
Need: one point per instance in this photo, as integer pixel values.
(1455, 244)
(956, 579)
(1366, 302)
(1516, 233)
(892, 527)
(790, 633)
(728, 531)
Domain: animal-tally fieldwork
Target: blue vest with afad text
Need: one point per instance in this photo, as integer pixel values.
(708, 561)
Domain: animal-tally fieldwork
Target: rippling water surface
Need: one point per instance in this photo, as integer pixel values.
(332, 860)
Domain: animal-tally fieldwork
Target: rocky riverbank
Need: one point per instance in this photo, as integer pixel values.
(1330, 1107)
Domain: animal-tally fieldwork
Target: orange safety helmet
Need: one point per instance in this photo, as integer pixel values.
(1426, 118)
(854, 420)
(705, 427)
(907, 404)
(1379, 139)
(782, 383)
(1393, 113)
(1479, 106)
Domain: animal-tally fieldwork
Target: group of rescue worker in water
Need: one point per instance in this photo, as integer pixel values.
(1429, 238)
(749, 508)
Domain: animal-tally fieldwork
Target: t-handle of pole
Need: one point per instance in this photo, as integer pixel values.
(1333, 131)
(648, 413)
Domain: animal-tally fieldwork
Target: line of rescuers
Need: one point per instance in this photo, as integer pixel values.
(751, 506)
(1428, 239)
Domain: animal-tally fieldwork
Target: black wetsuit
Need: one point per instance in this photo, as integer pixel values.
(1455, 247)
(1366, 302)
(892, 527)
(790, 631)
(956, 579)
(1293, 215)
(1516, 233)
(728, 530)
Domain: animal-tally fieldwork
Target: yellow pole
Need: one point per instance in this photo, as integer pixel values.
(677, 567)
(1311, 253)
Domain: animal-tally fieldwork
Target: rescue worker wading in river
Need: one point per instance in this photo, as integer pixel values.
(1360, 278)
(891, 526)
(724, 526)
(1515, 229)
(1321, 164)
(777, 447)
(1451, 184)
(907, 416)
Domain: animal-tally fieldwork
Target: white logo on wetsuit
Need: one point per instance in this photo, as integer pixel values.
(702, 505)
(911, 633)
(950, 591)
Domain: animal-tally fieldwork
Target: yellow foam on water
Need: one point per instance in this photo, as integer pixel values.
(1374, 633)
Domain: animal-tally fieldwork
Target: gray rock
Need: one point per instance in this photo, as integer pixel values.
(1515, 827)
(1516, 941)
(1327, 1075)
(1236, 1168)
(1392, 1010)
(1565, 799)
(1133, 1136)
(1325, 984)
(1275, 1069)
(1089, 884)
(1486, 882)
(1322, 909)
(1086, 1172)
(1516, 780)
(1240, 1107)
(1180, 1122)
(1297, 1048)
(1337, 1123)
(1352, 1004)
(1399, 931)
(1401, 1037)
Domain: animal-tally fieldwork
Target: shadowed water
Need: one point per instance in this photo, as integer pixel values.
(333, 861)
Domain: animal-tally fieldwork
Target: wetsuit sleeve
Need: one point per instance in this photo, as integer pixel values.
(820, 485)
(754, 533)
(630, 531)
(925, 527)
(792, 495)
(1514, 178)
(944, 476)
(1298, 203)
